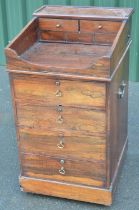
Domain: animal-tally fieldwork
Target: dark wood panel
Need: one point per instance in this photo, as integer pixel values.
(104, 38)
(71, 57)
(52, 35)
(66, 36)
(118, 114)
(83, 61)
(69, 82)
(79, 37)
(82, 38)
(43, 91)
(26, 38)
(120, 44)
(91, 148)
(75, 171)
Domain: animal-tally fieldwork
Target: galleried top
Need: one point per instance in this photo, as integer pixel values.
(84, 12)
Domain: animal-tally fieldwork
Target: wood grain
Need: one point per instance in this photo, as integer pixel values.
(39, 59)
(65, 190)
(99, 26)
(104, 38)
(44, 120)
(52, 36)
(90, 13)
(68, 69)
(76, 171)
(26, 38)
(42, 91)
(89, 148)
(64, 25)
(120, 44)
(66, 36)
(118, 112)
(79, 37)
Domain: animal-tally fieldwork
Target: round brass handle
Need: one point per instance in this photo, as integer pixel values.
(62, 161)
(100, 27)
(58, 93)
(62, 171)
(58, 25)
(60, 119)
(60, 145)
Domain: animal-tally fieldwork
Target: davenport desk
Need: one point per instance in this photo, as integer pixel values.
(68, 71)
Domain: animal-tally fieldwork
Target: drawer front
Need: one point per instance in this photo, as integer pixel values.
(66, 36)
(99, 26)
(104, 38)
(91, 148)
(53, 92)
(57, 168)
(71, 121)
(58, 24)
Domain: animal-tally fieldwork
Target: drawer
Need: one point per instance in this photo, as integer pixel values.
(52, 92)
(104, 38)
(93, 148)
(58, 24)
(99, 26)
(67, 170)
(64, 36)
(43, 120)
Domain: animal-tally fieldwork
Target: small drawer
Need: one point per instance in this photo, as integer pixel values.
(58, 24)
(104, 38)
(62, 169)
(93, 147)
(99, 26)
(50, 92)
(52, 35)
(79, 37)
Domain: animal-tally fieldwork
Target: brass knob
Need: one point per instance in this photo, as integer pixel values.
(60, 145)
(58, 93)
(58, 25)
(60, 119)
(62, 161)
(100, 27)
(62, 170)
